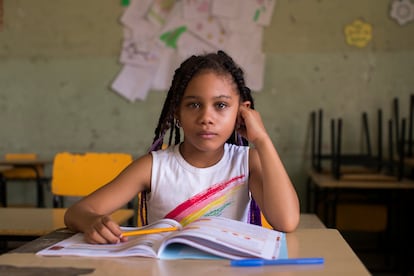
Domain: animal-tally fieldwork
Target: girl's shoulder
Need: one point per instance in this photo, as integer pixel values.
(165, 155)
(166, 151)
(235, 148)
(236, 152)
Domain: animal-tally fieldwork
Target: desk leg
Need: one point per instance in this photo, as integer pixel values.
(323, 199)
(326, 208)
(401, 232)
(316, 198)
(39, 189)
(3, 191)
(333, 208)
(309, 193)
(320, 197)
(40, 195)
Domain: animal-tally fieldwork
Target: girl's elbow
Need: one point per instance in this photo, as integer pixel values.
(293, 223)
(288, 225)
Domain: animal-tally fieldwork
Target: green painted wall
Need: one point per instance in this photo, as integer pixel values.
(58, 58)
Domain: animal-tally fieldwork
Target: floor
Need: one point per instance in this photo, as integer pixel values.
(379, 261)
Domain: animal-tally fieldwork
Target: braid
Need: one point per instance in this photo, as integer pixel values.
(182, 77)
(245, 93)
(177, 135)
(219, 63)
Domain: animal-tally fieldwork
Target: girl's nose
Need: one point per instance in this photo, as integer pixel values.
(206, 116)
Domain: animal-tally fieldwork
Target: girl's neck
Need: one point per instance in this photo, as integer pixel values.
(201, 159)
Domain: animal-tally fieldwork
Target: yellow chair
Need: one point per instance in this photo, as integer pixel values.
(77, 175)
(265, 223)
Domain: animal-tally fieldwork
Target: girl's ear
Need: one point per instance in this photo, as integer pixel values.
(240, 121)
(246, 104)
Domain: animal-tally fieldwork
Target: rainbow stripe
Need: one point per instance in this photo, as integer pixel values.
(212, 201)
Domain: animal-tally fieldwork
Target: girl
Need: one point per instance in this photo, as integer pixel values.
(211, 172)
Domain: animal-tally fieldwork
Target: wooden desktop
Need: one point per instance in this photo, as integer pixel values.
(311, 239)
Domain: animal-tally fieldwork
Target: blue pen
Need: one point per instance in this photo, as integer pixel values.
(292, 261)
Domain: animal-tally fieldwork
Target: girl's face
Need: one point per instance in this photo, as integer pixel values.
(208, 111)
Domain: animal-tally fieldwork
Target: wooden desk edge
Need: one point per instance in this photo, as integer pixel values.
(325, 180)
(120, 216)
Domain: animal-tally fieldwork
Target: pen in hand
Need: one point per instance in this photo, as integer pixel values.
(148, 231)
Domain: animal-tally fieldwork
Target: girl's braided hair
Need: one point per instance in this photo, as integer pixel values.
(219, 63)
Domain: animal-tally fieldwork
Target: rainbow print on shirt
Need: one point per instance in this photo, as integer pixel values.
(211, 202)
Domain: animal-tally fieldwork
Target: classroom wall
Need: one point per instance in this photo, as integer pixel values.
(58, 58)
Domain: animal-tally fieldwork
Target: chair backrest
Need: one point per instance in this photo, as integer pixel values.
(81, 174)
(265, 223)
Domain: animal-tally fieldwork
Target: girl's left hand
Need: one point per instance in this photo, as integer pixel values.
(250, 125)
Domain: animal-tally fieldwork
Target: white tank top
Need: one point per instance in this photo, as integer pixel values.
(183, 192)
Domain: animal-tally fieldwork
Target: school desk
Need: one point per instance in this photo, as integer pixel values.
(317, 242)
(30, 223)
(324, 188)
(397, 196)
(34, 164)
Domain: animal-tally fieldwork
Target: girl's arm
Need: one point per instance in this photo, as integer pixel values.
(90, 215)
(268, 181)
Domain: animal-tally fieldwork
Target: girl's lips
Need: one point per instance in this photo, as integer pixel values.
(206, 134)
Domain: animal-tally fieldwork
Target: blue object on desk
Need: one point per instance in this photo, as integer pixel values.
(292, 261)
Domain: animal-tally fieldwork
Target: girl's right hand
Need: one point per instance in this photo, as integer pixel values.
(103, 230)
(250, 125)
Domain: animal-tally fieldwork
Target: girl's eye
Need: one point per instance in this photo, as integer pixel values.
(221, 105)
(194, 105)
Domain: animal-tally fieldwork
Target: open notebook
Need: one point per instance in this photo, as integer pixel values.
(205, 238)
